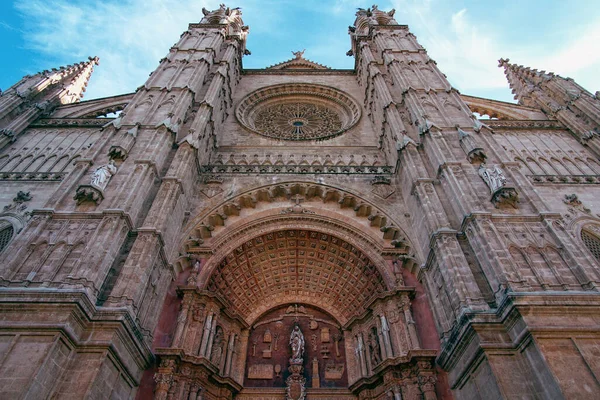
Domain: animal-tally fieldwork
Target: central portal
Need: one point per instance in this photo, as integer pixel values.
(270, 352)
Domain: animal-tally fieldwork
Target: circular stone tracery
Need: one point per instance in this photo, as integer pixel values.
(298, 112)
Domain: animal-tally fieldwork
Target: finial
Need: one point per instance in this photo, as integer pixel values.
(503, 61)
(298, 54)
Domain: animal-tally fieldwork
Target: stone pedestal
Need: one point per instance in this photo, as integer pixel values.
(295, 389)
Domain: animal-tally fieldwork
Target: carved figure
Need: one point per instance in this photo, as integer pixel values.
(493, 177)
(374, 349)
(103, 173)
(267, 338)
(217, 349)
(298, 54)
(297, 345)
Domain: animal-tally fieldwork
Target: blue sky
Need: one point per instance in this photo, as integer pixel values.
(465, 37)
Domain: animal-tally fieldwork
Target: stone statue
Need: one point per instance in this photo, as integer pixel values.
(297, 345)
(493, 177)
(298, 54)
(374, 350)
(217, 349)
(102, 174)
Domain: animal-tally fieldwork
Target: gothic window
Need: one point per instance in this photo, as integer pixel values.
(592, 242)
(6, 233)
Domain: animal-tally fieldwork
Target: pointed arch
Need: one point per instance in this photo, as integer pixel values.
(70, 262)
(12, 163)
(594, 165)
(47, 165)
(571, 167)
(60, 164)
(591, 240)
(52, 262)
(36, 163)
(526, 165)
(546, 166)
(534, 166)
(31, 262)
(584, 166)
(559, 166)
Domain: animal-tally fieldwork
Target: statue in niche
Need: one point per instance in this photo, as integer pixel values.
(103, 173)
(374, 349)
(217, 349)
(267, 338)
(493, 177)
(297, 345)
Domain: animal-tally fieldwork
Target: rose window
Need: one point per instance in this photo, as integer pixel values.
(298, 112)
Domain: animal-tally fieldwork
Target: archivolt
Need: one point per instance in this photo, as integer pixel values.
(201, 228)
(305, 258)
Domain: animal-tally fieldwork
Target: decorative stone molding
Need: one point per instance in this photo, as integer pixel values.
(296, 169)
(505, 196)
(88, 193)
(564, 179)
(525, 124)
(474, 152)
(123, 144)
(33, 176)
(72, 122)
(298, 112)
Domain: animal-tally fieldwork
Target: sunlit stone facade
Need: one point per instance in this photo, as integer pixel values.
(299, 231)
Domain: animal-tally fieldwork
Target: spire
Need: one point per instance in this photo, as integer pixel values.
(74, 79)
(560, 98)
(38, 95)
(520, 79)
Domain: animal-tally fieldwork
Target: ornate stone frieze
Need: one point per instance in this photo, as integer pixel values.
(33, 176)
(297, 169)
(564, 179)
(524, 124)
(72, 122)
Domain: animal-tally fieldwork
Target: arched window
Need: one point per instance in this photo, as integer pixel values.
(6, 233)
(592, 242)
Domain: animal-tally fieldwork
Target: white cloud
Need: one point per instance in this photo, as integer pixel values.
(131, 36)
(467, 50)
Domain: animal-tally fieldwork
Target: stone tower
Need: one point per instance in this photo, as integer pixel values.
(299, 231)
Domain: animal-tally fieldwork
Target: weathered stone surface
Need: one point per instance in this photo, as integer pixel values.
(352, 202)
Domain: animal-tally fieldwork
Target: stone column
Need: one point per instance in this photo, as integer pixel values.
(230, 351)
(239, 363)
(427, 385)
(194, 389)
(412, 336)
(163, 384)
(211, 336)
(182, 320)
(385, 332)
(206, 333)
(360, 348)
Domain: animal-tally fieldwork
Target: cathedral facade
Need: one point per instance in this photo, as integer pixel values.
(299, 232)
